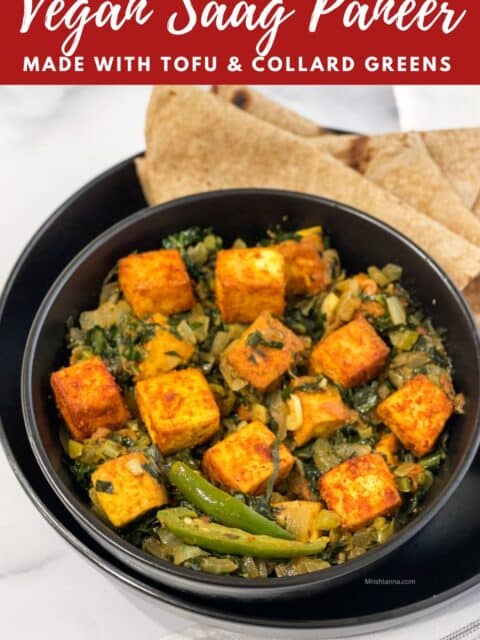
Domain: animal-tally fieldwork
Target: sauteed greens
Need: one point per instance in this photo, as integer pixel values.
(254, 411)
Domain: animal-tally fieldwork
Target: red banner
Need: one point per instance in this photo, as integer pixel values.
(239, 41)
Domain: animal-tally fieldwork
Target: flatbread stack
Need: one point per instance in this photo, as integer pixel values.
(427, 185)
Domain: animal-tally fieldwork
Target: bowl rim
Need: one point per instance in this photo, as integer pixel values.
(90, 522)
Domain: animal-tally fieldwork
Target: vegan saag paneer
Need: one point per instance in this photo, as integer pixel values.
(254, 411)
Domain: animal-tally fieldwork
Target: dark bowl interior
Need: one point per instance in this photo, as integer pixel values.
(361, 241)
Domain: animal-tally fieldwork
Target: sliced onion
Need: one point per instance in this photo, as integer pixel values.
(396, 310)
(234, 381)
(135, 467)
(294, 418)
(186, 333)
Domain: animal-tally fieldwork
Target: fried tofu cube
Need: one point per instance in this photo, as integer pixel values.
(263, 352)
(299, 517)
(163, 352)
(178, 409)
(156, 281)
(359, 490)
(314, 235)
(388, 445)
(125, 490)
(416, 413)
(304, 268)
(351, 355)
(249, 281)
(323, 412)
(88, 398)
(243, 460)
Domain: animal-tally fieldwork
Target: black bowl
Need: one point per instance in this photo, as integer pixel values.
(361, 240)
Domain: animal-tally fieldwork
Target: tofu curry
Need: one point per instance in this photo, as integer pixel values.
(254, 411)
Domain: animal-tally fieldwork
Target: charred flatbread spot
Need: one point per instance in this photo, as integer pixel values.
(359, 153)
(241, 99)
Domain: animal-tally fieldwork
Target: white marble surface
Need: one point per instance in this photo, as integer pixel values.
(53, 140)
(438, 107)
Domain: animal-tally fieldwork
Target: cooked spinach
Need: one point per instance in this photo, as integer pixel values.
(186, 238)
(256, 339)
(102, 486)
(121, 346)
(82, 473)
(362, 399)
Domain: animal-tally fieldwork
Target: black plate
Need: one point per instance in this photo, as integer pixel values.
(360, 240)
(454, 533)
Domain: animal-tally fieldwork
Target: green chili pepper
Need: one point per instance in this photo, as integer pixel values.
(187, 526)
(220, 505)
